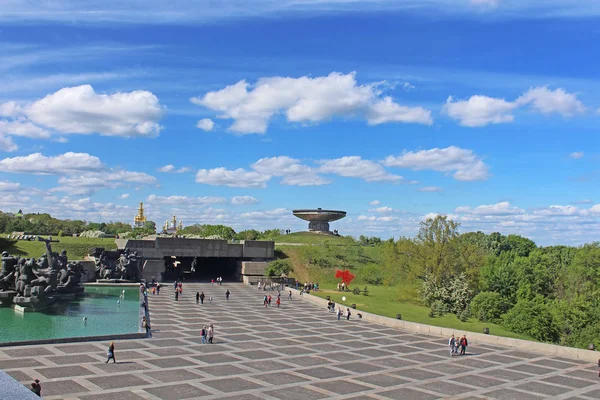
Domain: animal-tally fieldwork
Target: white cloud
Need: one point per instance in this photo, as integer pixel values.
(557, 210)
(432, 189)
(37, 163)
(293, 173)
(206, 124)
(6, 186)
(7, 144)
(305, 100)
(387, 110)
(169, 168)
(383, 209)
(387, 219)
(80, 110)
(584, 201)
(184, 200)
(243, 200)
(374, 203)
(480, 110)
(232, 178)
(576, 155)
(87, 183)
(124, 196)
(366, 218)
(502, 208)
(24, 129)
(549, 101)
(278, 212)
(463, 163)
(356, 167)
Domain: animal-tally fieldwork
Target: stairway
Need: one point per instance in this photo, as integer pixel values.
(153, 268)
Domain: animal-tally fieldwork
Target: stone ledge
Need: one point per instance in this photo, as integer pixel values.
(520, 344)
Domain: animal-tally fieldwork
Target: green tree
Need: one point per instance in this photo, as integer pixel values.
(278, 268)
(488, 307)
(533, 318)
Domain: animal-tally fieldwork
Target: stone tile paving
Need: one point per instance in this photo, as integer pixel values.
(295, 351)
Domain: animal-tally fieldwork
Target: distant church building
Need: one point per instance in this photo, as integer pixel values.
(172, 227)
(140, 218)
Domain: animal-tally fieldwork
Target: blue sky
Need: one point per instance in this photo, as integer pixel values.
(238, 112)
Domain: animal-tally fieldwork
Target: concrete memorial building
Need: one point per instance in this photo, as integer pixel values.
(168, 258)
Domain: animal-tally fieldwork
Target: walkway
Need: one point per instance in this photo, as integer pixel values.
(296, 352)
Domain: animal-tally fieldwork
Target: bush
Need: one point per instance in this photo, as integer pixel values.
(488, 307)
(278, 267)
(372, 274)
(356, 290)
(533, 318)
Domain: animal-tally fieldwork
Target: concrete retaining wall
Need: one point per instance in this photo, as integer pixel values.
(474, 338)
(258, 248)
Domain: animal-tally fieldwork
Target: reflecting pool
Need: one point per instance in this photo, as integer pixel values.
(106, 314)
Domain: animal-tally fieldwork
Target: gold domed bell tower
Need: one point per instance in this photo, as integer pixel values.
(140, 218)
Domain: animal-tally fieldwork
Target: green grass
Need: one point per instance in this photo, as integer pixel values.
(77, 248)
(381, 301)
(310, 238)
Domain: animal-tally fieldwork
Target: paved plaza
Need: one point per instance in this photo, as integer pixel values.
(298, 351)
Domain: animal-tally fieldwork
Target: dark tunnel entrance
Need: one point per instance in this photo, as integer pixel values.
(207, 268)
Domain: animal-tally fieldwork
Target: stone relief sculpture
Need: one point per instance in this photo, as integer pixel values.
(36, 283)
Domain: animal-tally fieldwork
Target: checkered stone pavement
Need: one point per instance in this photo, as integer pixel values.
(296, 351)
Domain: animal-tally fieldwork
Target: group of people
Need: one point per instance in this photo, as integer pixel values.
(340, 312)
(208, 334)
(178, 286)
(218, 281)
(267, 299)
(458, 345)
(307, 287)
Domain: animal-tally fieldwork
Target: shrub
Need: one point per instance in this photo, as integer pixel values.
(533, 318)
(278, 267)
(372, 274)
(488, 307)
(356, 290)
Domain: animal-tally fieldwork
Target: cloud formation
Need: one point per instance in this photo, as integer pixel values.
(306, 100)
(206, 124)
(233, 178)
(463, 164)
(80, 110)
(356, 167)
(480, 110)
(170, 168)
(293, 172)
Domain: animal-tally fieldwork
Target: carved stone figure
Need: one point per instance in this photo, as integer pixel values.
(7, 275)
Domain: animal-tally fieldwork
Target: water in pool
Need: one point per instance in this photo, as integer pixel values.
(105, 316)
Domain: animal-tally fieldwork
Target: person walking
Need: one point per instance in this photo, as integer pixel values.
(278, 302)
(452, 344)
(157, 289)
(197, 297)
(175, 285)
(348, 314)
(265, 301)
(110, 354)
(290, 296)
(145, 324)
(259, 286)
(269, 300)
(36, 387)
(202, 298)
(203, 333)
(211, 334)
(339, 313)
(463, 345)
(227, 293)
(177, 295)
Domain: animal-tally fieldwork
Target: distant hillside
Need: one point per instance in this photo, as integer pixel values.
(77, 248)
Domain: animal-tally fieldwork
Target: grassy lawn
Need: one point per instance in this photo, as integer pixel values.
(77, 248)
(310, 238)
(381, 301)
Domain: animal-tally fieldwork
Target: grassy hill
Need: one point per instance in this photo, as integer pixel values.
(77, 248)
(312, 238)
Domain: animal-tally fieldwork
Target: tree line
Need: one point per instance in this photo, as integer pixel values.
(548, 293)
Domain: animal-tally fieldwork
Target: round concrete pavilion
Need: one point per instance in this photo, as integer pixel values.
(319, 219)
